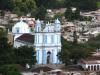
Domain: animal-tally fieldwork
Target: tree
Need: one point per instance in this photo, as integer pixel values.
(72, 15)
(41, 13)
(6, 5)
(25, 55)
(71, 52)
(86, 5)
(6, 52)
(9, 70)
(23, 6)
(94, 42)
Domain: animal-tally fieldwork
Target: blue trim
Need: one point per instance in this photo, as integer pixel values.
(17, 29)
(37, 56)
(45, 39)
(52, 39)
(44, 57)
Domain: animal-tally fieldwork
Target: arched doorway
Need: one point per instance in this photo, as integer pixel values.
(48, 57)
(98, 67)
(88, 67)
(94, 67)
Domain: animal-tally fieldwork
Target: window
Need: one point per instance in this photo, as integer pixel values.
(58, 39)
(45, 39)
(17, 29)
(52, 39)
(38, 28)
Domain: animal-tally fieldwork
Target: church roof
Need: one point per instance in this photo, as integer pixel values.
(49, 28)
(26, 38)
(22, 26)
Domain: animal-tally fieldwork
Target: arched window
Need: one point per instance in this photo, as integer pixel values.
(94, 67)
(17, 29)
(98, 68)
(52, 39)
(88, 67)
(45, 39)
(48, 57)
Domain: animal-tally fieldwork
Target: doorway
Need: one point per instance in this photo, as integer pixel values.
(48, 57)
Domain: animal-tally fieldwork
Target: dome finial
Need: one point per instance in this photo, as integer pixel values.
(38, 21)
(21, 19)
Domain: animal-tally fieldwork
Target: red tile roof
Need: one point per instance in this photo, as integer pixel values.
(26, 38)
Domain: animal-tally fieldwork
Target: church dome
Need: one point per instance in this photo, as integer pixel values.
(21, 27)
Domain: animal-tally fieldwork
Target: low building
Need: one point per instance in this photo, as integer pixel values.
(92, 63)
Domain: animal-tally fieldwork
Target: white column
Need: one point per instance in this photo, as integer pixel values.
(40, 56)
(93, 67)
(96, 67)
(54, 56)
(90, 67)
(99, 68)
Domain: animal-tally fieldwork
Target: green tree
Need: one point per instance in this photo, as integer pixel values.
(85, 5)
(9, 70)
(6, 52)
(71, 52)
(25, 55)
(23, 6)
(41, 13)
(6, 5)
(72, 15)
(94, 42)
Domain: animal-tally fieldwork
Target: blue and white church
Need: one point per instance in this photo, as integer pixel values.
(47, 40)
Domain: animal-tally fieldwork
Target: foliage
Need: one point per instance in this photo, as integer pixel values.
(50, 4)
(6, 52)
(40, 13)
(2, 13)
(5, 5)
(71, 15)
(98, 4)
(59, 16)
(94, 42)
(23, 6)
(27, 6)
(9, 70)
(82, 4)
(85, 18)
(10, 55)
(24, 55)
(71, 52)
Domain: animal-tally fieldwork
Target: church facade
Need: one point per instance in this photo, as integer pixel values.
(47, 40)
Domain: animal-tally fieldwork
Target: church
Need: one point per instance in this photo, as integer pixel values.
(45, 38)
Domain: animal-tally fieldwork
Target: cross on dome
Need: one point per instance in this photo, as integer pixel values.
(21, 19)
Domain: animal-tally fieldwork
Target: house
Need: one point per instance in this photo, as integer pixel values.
(92, 63)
